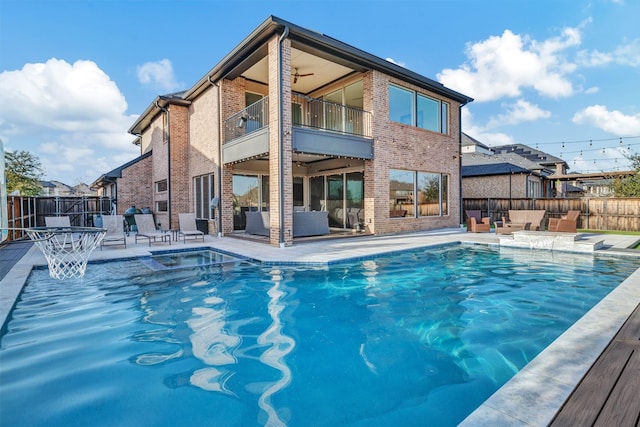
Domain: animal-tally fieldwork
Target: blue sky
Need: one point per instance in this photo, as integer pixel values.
(562, 76)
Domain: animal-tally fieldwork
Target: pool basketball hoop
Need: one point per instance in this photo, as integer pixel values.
(67, 249)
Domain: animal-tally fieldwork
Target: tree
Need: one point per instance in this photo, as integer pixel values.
(23, 171)
(629, 186)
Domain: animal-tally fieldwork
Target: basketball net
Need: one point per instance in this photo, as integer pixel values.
(66, 249)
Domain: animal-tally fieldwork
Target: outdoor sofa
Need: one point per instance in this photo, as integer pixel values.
(520, 219)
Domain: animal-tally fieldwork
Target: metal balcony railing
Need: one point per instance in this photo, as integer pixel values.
(244, 122)
(320, 114)
(306, 111)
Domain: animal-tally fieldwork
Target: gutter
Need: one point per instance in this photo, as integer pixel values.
(281, 136)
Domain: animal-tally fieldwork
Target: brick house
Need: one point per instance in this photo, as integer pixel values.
(509, 171)
(292, 120)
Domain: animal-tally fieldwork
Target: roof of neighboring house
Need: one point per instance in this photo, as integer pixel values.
(320, 43)
(117, 172)
(491, 169)
(529, 153)
(469, 140)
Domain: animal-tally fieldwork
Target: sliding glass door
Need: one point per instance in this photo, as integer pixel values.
(342, 195)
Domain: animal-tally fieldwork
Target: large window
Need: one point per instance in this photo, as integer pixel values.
(411, 108)
(203, 192)
(424, 193)
(401, 105)
(401, 189)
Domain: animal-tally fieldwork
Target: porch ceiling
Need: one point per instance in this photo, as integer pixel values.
(323, 71)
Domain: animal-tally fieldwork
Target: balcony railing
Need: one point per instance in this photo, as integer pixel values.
(244, 122)
(320, 114)
(306, 111)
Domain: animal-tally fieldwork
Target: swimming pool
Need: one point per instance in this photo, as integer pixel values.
(421, 337)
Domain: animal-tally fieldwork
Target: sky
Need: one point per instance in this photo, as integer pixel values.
(562, 76)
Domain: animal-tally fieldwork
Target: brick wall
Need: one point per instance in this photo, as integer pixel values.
(180, 198)
(496, 186)
(274, 144)
(133, 187)
(399, 146)
(204, 132)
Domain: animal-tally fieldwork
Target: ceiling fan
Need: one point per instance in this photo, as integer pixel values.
(297, 75)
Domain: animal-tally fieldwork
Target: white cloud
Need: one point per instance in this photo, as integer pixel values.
(71, 116)
(480, 133)
(393, 61)
(502, 66)
(518, 112)
(627, 54)
(614, 122)
(592, 90)
(159, 74)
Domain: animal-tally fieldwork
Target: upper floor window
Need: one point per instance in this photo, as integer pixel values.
(161, 186)
(411, 108)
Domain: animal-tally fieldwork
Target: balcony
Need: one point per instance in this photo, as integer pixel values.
(319, 127)
(251, 119)
(319, 114)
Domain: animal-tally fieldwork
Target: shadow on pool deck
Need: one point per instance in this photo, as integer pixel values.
(11, 253)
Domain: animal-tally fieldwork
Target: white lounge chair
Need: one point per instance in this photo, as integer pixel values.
(114, 224)
(147, 229)
(188, 227)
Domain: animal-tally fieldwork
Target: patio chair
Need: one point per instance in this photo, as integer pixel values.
(188, 227)
(57, 221)
(476, 223)
(567, 223)
(114, 224)
(147, 230)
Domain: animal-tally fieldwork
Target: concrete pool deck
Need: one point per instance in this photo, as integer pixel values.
(531, 398)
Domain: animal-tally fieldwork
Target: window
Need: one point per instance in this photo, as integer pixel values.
(161, 186)
(401, 105)
(162, 206)
(203, 192)
(431, 192)
(411, 108)
(401, 190)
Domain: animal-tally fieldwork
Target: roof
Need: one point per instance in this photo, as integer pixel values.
(117, 172)
(529, 153)
(491, 169)
(255, 41)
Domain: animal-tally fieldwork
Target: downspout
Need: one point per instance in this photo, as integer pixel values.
(166, 111)
(220, 136)
(281, 136)
(460, 162)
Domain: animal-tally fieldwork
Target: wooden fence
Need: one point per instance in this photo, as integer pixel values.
(619, 214)
(25, 212)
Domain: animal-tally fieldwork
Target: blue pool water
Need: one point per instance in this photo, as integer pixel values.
(416, 338)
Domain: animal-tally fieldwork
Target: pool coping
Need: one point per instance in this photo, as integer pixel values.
(531, 398)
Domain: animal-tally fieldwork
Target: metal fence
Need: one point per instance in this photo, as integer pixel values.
(599, 213)
(26, 212)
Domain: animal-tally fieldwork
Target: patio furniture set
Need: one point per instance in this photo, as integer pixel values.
(522, 219)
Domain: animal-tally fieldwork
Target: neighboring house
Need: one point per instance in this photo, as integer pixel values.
(509, 171)
(59, 189)
(295, 120)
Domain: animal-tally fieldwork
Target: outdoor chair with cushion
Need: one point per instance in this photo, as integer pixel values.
(188, 227)
(147, 229)
(476, 223)
(114, 224)
(567, 223)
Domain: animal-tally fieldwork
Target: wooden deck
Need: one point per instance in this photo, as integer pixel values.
(609, 394)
